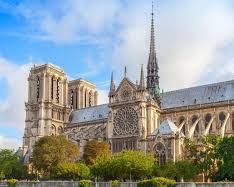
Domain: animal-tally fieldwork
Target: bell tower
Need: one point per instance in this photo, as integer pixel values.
(46, 109)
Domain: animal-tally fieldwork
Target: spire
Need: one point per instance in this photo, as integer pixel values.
(152, 66)
(125, 71)
(142, 82)
(112, 85)
(152, 40)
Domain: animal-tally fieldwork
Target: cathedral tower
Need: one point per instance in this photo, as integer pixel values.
(152, 68)
(46, 109)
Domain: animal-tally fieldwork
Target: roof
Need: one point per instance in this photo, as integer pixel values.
(166, 127)
(210, 93)
(94, 113)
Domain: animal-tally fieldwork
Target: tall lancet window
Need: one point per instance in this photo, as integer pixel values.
(57, 90)
(38, 89)
(72, 98)
(52, 88)
(90, 98)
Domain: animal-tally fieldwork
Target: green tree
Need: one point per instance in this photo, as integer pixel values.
(102, 168)
(94, 149)
(10, 165)
(205, 155)
(72, 171)
(185, 170)
(226, 154)
(51, 151)
(132, 165)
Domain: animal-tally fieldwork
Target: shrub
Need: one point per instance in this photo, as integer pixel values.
(156, 182)
(115, 183)
(85, 183)
(11, 182)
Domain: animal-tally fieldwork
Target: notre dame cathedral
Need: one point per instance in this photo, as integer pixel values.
(137, 116)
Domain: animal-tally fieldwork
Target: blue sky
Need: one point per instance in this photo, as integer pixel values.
(90, 39)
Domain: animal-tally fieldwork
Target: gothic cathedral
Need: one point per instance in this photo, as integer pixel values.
(137, 116)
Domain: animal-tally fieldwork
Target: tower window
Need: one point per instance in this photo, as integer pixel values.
(38, 88)
(90, 99)
(52, 88)
(72, 98)
(57, 94)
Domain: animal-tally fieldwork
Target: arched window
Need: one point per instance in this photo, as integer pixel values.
(52, 88)
(72, 98)
(60, 130)
(53, 130)
(233, 121)
(90, 98)
(181, 120)
(38, 88)
(221, 119)
(194, 119)
(207, 120)
(160, 152)
(57, 90)
(85, 104)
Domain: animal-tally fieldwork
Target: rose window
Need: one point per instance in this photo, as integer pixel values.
(125, 122)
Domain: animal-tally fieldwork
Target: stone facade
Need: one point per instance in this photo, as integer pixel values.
(137, 116)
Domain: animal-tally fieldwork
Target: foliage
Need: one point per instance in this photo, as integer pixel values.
(124, 165)
(226, 154)
(72, 171)
(185, 169)
(205, 155)
(11, 182)
(115, 183)
(94, 149)
(50, 151)
(85, 183)
(168, 170)
(10, 165)
(102, 168)
(156, 182)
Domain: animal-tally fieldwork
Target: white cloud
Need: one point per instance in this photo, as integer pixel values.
(190, 36)
(12, 111)
(9, 143)
(102, 97)
(70, 21)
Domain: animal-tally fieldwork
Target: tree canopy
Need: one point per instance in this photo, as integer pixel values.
(10, 165)
(225, 152)
(94, 149)
(50, 151)
(124, 165)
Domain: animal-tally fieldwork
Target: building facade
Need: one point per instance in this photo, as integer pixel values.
(136, 117)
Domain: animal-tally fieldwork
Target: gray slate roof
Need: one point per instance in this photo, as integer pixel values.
(94, 113)
(166, 127)
(205, 94)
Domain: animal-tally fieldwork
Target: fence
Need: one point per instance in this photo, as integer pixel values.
(108, 184)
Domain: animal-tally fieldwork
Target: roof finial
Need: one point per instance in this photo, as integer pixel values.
(125, 71)
(112, 85)
(142, 81)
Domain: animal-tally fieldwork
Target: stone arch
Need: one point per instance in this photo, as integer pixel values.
(207, 120)
(193, 120)
(53, 129)
(60, 130)
(222, 117)
(232, 125)
(181, 119)
(160, 153)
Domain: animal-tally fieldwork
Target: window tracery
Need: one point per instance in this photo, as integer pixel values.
(126, 122)
(160, 153)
